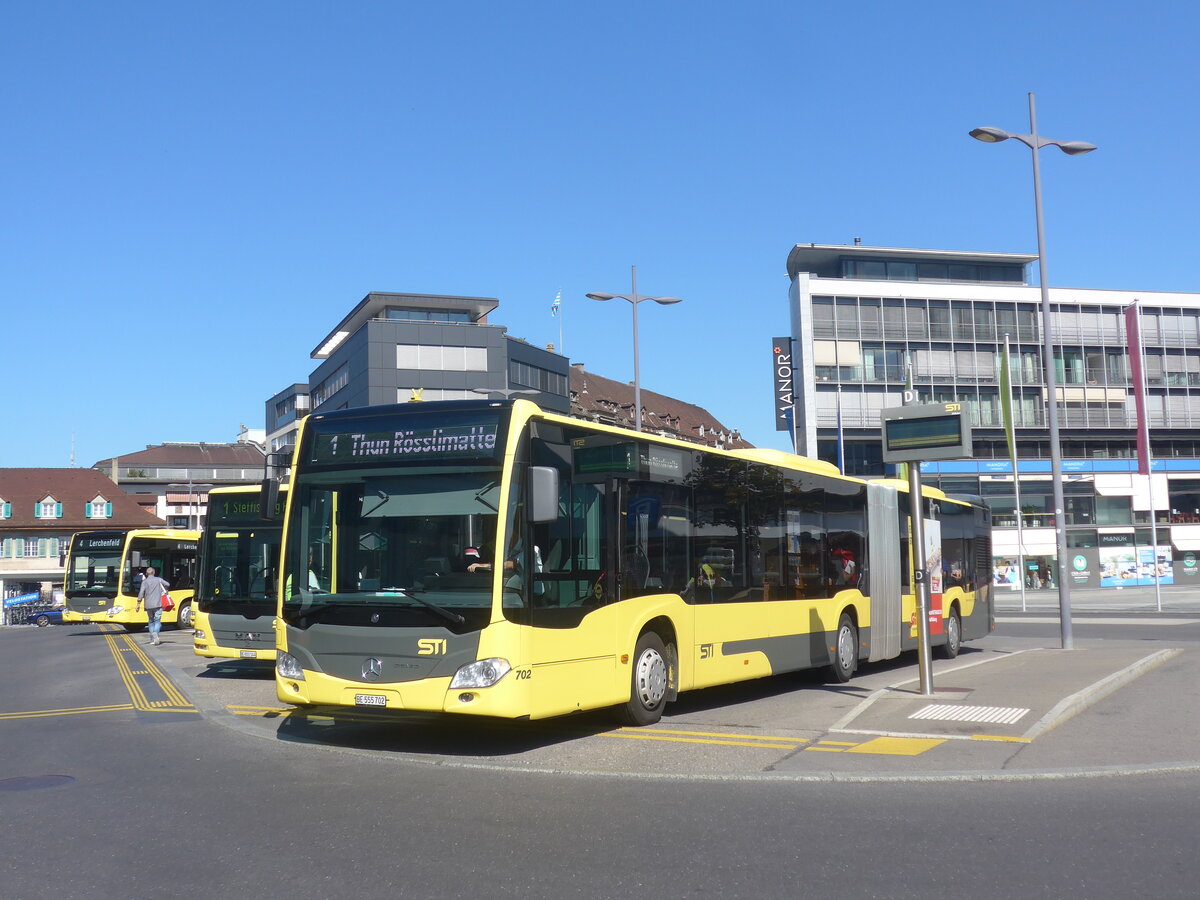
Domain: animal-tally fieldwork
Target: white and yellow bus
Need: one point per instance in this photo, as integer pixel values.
(104, 570)
(489, 558)
(239, 558)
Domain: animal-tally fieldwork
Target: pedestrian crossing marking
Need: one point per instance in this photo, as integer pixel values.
(956, 712)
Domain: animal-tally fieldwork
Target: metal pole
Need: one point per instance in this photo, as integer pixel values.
(1141, 389)
(1016, 486)
(916, 509)
(1060, 534)
(637, 390)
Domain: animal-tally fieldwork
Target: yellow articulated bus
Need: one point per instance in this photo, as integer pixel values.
(239, 557)
(105, 568)
(490, 558)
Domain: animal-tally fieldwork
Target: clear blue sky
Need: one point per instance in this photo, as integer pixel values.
(197, 192)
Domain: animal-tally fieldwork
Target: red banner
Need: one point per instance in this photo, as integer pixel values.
(1133, 334)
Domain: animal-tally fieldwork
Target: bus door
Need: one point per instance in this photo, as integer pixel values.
(731, 627)
(571, 600)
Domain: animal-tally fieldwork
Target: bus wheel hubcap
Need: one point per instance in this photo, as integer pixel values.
(845, 648)
(651, 678)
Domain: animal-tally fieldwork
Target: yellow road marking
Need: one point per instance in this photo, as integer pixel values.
(120, 645)
(696, 740)
(718, 734)
(258, 710)
(826, 749)
(78, 711)
(1001, 737)
(892, 746)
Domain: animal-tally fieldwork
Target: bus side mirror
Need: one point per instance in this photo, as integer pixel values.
(268, 497)
(542, 499)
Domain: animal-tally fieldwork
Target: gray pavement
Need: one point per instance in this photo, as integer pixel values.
(1009, 707)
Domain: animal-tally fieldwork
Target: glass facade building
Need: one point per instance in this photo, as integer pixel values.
(863, 318)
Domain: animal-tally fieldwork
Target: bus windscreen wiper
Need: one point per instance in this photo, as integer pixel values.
(440, 610)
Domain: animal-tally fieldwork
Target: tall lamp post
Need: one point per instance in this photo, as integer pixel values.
(1073, 148)
(634, 299)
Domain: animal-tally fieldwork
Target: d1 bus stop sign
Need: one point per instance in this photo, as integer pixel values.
(915, 434)
(931, 431)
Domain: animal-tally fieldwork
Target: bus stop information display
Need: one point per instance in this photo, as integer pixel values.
(931, 431)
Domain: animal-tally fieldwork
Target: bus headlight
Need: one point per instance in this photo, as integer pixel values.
(289, 667)
(198, 635)
(115, 610)
(480, 674)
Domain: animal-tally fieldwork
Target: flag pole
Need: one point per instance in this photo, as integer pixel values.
(1010, 438)
(841, 444)
(1135, 345)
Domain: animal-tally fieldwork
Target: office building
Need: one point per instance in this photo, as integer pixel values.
(863, 316)
(392, 348)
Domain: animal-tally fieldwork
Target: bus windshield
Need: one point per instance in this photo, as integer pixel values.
(93, 573)
(398, 546)
(239, 573)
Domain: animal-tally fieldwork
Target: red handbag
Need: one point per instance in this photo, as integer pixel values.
(167, 603)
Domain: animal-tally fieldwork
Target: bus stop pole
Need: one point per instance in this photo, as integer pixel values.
(916, 508)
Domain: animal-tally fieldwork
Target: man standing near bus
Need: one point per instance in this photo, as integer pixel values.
(151, 592)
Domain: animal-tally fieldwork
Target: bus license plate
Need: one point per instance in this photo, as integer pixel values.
(249, 654)
(370, 700)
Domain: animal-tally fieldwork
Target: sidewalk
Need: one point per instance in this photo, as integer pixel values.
(1175, 598)
(1007, 708)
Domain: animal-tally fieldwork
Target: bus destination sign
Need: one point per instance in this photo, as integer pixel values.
(418, 443)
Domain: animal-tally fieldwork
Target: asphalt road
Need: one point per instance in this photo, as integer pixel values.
(164, 800)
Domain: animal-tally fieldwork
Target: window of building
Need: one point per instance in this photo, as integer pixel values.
(1113, 511)
(404, 394)
(99, 509)
(31, 547)
(331, 385)
(438, 358)
(532, 376)
(1081, 538)
(5, 509)
(48, 508)
(407, 314)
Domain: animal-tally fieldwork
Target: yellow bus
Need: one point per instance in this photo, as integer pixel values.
(104, 572)
(490, 558)
(239, 556)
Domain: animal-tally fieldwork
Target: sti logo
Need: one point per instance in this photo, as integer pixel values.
(431, 647)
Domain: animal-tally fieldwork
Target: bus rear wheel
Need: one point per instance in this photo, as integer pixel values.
(184, 616)
(648, 682)
(949, 650)
(845, 656)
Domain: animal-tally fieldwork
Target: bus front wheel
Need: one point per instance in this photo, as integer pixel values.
(184, 616)
(648, 682)
(845, 657)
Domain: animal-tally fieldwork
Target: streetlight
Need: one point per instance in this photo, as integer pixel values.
(1071, 148)
(194, 491)
(634, 299)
